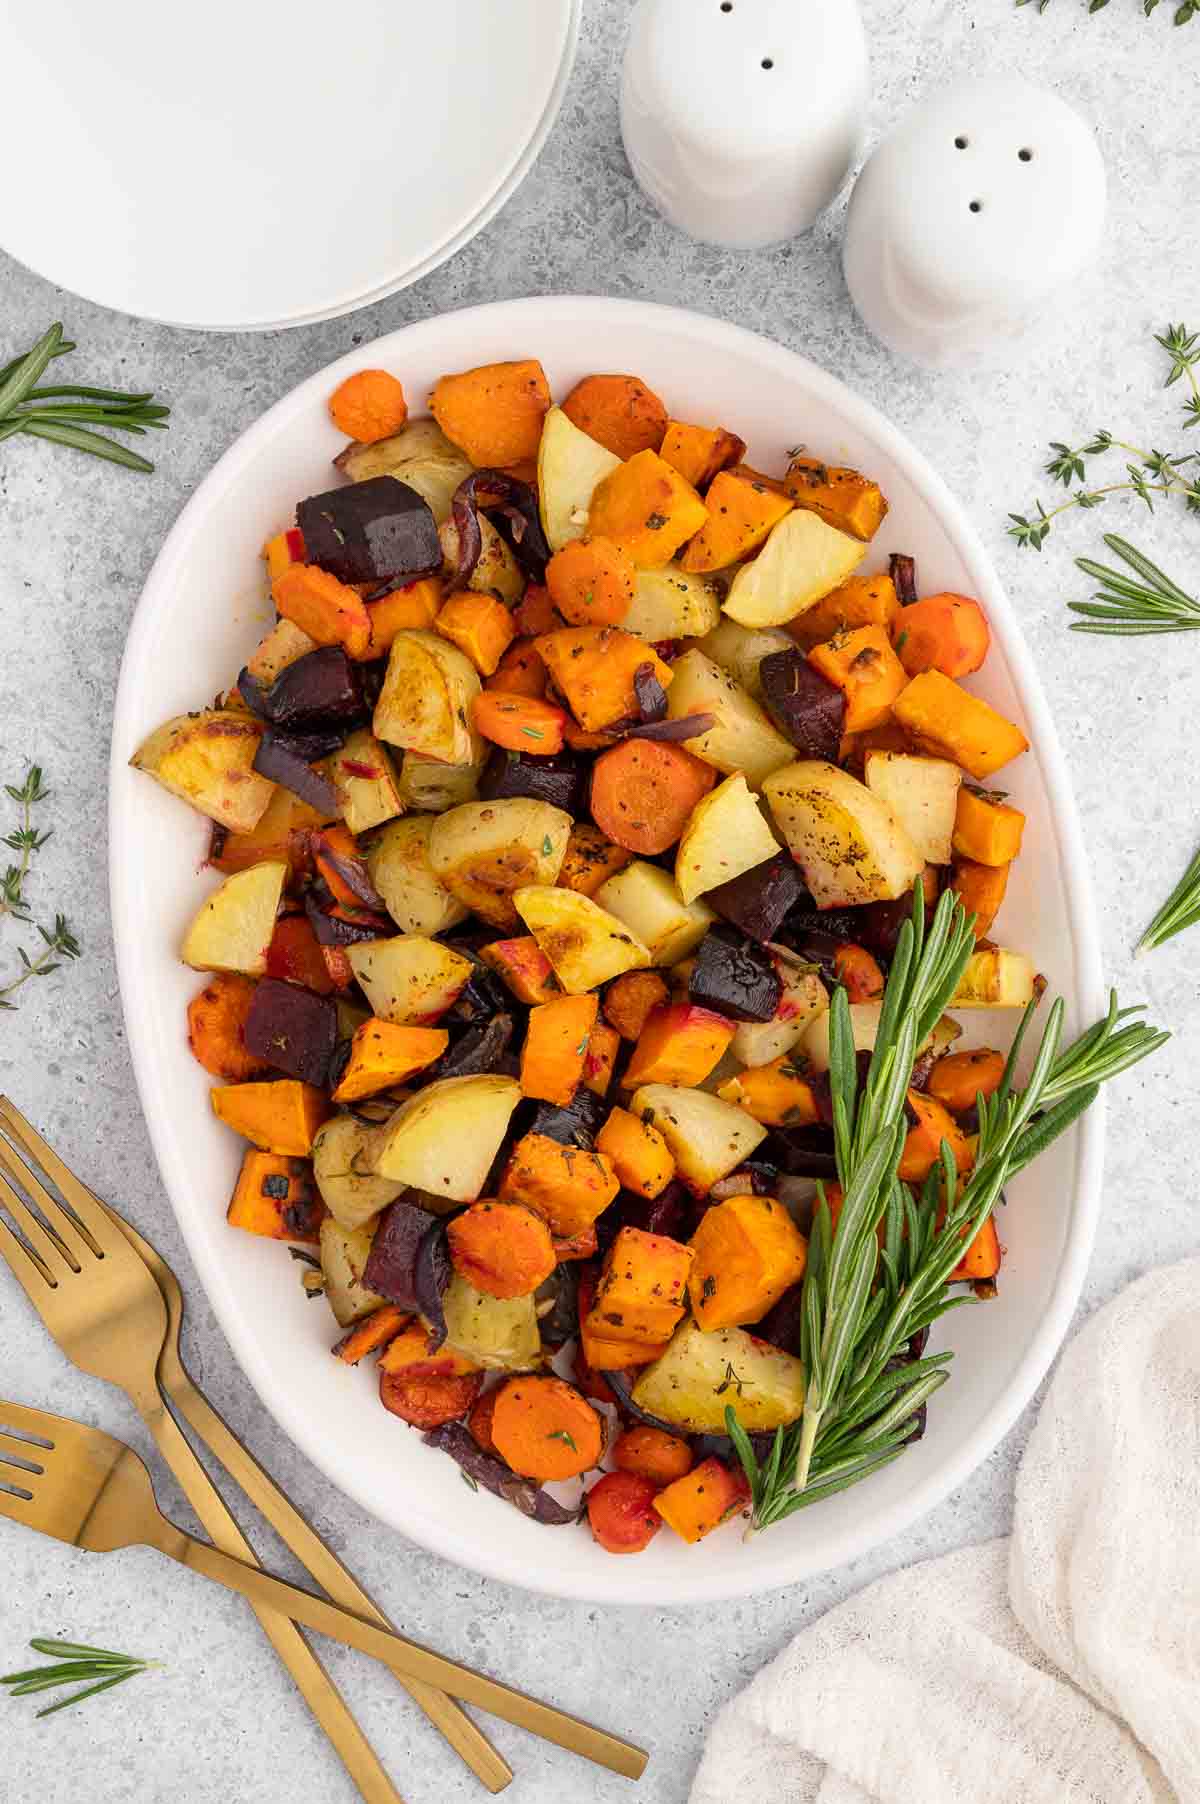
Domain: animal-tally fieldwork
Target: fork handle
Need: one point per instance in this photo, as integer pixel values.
(405, 1657)
(464, 1736)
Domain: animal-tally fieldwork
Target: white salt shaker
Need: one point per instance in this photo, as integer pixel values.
(985, 200)
(742, 118)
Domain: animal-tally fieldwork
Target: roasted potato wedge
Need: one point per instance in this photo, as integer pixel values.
(414, 895)
(425, 702)
(670, 604)
(740, 650)
(445, 1138)
(497, 572)
(483, 852)
(801, 561)
(584, 942)
(285, 644)
(699, 1374)
(430, 785)
(708, 1138)
(365, 779)
(849, 845)
(498, 1333)
(233, 926)
(864, 1025)
(922, 793)
(742, 737)
(343, 1256)
(995, 978)
(207, 760)
(420, 455)
(410, 979)
(725, 835)
(643, 896)
(570, 465)
(349, 1188)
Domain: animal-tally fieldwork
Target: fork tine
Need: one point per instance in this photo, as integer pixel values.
(90, 1219)
(53, 1252)
(20, 1258)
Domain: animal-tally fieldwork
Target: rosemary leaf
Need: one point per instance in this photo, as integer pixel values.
(1180, 910)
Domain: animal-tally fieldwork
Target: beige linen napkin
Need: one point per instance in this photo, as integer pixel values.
(1061, 1666)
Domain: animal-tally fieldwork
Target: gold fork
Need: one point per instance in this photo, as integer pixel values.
(101, 1302)
(81, 1486)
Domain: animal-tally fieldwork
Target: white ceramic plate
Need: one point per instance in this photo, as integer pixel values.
(274, 166)
(203, 608)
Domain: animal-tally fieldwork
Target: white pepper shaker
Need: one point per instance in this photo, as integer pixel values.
(986, 199)
(742, 118)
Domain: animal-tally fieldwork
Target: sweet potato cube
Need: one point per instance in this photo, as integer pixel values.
(932, 1123)
(524, 967)
(600, 1059)
(594, 668)
(982, 888)
(279, 1117)
(373, 1332)
(555, 1048)
(859, 601)
(862, 664)
(591, 859)
(642, 1285)
(569, 1188)
(680, 1044)
(986, 830)
(982, 1257)
(412, 608)
(479, 625)
(944, 719)
(630, 1000)
(519, 672)
(384, 1054)
(646, 508)
(277, 1197)
(699, 452)
(778, 1094)
(493, 413)
(609, 1352)
(640, 1156)
(702, 1499)
(842, 497)
(329, 611)
(746, 1252)
(740, 517)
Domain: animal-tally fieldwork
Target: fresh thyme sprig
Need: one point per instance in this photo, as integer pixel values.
(58, 942)
(1124, 607)
(1184, 10)
(74, 1664)
(1181, 909)
(866, 1293)
(1147, 473)
(66, 413)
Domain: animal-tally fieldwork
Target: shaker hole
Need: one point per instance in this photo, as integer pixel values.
(1025, 155)
(977, 206)
(960, 143)
(768, 62)
(726, 6)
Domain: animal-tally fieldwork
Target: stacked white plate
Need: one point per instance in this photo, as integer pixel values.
(252, 165)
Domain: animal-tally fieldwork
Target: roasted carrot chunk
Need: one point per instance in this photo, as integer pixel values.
(535, 612)
(519, 672)
(702, 1499)
(368, 406)
(922, 1149)
(216, 1028)
(960, 1077)
(502, 1249)
(982, 1258)
(621, 1513)
(565, 1185)
(619, 412)
(479, 1422)
(428, 1400)
(327, 610)
(942, 632)
(653, 1454)
(982, 888)
(373, 1332)
(556, 1042)
(644, 791)
(520, 723)
(858, 973)
(945, 720)
(594, 668)
(545, 1429)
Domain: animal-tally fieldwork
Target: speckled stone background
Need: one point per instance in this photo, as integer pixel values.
(76, 541)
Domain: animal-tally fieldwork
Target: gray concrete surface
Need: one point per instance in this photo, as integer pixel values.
(76, 540)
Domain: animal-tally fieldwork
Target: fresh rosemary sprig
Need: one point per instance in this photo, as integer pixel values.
(66, 413)
(866, 1293)
(1150, 472)
(1122, 606)
(1184, 10)
(1181, 909)
(26, 839)
(74, 1664)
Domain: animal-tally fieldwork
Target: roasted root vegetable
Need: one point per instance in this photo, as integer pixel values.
(556, 1042)
(841, 497)
(276, 1196)
(922, 794)
(640, 1294)
(502, 1249)
(652, 1453)
(233, 926)
(802, 1000)
(859, 601)
(423, 1384)
(942, 632)
(703, 1499)
(568, 1187)
(619, 412)
(410, 980)
(485, 853)
(849, 845)
(805, 704)
(701, 1373)
(585, 943)
(425, 702)
(591, 582)
(369, 405)
(932, 1124)
(384, 1054)
(858, 973)
(741, 514)
(207, 760)
(862, 664)
(741, 737)
(370, 532)
(960, 1078)
(758, 902)
(986, 829)
(644, 897)
(594, 668)
(708, 1138)
(370, 1334)
(600, 1059)
(570, 466)
(725, 834)
(864, 1026)
(494, 413)
(671, 604)
(344, 1256)
(519, 672)
(621, 1513)
(629, 1001)
(329, 611)
(420, 456)
(735, 976)
(430, 784)
(699, 452)
(680, 1044)
(544, 1428)
(498, 1333)
(778, 1094)
(644, 793)
(350, 1190)
(982, 888)
(647, 509)
(217, 1029)
(945, 720)
(280, 1117)
(995, 978)
(480, 625)
(362, 773)
(741, 650)
(802, 560)
(445, 1138)
(608, 1352)
(413, 894)
(590, 859)
(982, 1258)
(524, 967)
(519, 723)
(639, 1154)
(746, 1252)
(281, 836)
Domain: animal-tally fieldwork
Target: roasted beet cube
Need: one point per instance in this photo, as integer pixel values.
(561, 779)
(758, 900)
(295, 1030)
(734, 976)
(371, 532)
(391, 1268)
(321, 689)
(285, 761)
(576, 1124)
(806, 708)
